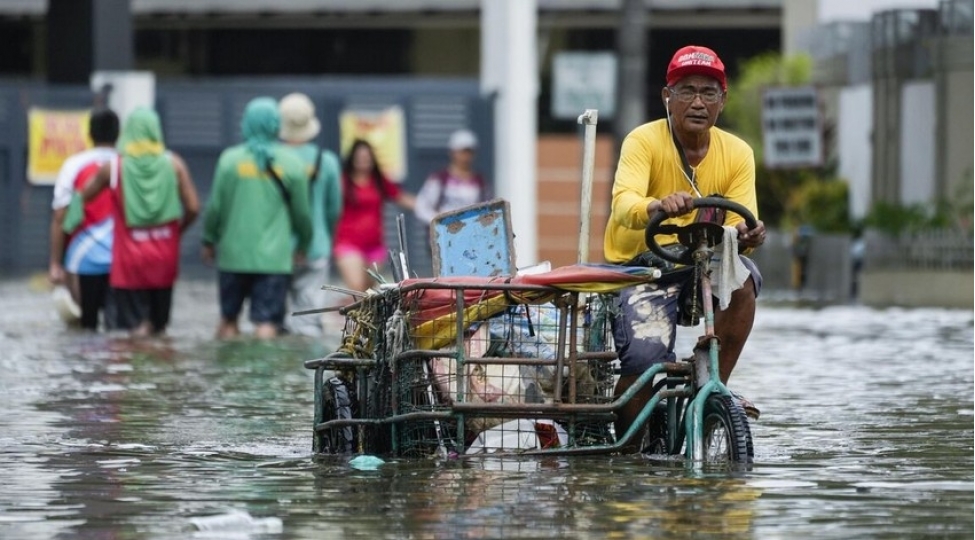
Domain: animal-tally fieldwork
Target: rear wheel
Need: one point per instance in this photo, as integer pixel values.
(726, 435)
(378, 439)
(339, 403)
(655, 433)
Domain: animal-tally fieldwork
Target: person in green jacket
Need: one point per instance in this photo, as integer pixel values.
(257, 222)
(299, 127)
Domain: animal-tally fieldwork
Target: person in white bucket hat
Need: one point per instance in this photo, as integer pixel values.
(299, 126)
(298, 121)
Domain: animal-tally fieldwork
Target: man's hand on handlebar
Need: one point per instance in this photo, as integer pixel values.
(751, 238)
(673, 205)
(681, 203)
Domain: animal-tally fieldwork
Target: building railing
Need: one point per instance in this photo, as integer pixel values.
(928, 250)
(956, 17)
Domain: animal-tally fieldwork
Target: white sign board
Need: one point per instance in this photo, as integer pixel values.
(791, 127)
(127, 90)
(583, 80)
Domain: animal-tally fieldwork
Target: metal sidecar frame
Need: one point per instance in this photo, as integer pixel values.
(480, 365)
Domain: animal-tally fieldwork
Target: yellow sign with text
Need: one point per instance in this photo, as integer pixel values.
(53, 136)
(384, 130)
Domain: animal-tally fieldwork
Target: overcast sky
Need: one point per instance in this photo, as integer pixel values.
(862, 10)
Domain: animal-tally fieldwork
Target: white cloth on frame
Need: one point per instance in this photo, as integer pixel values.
(728, 273)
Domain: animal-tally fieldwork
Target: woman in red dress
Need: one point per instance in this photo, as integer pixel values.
(359, 236)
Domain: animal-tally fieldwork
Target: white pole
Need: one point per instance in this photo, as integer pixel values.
(589, 119)
(509, 71)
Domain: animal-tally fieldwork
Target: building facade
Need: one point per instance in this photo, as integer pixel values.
(55, 44)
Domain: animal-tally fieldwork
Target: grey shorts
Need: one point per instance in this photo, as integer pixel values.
(645, 326)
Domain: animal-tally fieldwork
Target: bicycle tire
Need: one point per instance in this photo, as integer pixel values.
(655, 432)
(378, 439)
(725, 433)
(339, 403)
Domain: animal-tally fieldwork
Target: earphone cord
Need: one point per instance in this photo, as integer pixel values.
(680, 151)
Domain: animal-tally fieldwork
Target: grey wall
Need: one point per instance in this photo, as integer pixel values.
(201, 117)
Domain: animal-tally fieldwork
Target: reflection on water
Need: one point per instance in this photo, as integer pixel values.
(866, 432)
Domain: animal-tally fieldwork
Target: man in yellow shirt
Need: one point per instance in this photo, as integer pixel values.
(663, 166)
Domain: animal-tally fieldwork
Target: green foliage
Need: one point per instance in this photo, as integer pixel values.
(787, 198)
(952, 214)
(961, 207)
(822, 203)
(895, 219)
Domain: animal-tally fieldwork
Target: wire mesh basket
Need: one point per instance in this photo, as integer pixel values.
(506, 365)
(448, 366)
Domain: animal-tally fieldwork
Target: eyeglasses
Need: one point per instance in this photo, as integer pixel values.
(686, 95)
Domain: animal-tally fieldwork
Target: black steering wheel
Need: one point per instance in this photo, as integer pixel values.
(690, 235)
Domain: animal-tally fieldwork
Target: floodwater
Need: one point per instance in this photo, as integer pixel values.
(866, 432)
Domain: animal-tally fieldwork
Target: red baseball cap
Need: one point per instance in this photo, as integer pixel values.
(696, 60)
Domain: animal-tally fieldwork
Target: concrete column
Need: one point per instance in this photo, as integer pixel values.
(88, 35)
(509, 72)
(799, 17)
(113, 41)
(633, 52)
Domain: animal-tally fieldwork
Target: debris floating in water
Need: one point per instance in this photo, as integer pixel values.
(366, 463)
(237, 521)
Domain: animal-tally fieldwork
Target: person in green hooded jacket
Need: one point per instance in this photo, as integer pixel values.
(153, 202)
(257, 222)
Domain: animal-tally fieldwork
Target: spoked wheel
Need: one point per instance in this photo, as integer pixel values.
(726, 435)
(339, 403)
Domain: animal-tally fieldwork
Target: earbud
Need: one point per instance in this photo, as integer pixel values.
(666, 102)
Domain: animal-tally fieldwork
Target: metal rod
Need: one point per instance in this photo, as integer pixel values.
(573, 314)
(620, 442)
(341, 361)
(343, 290)
(589, 120)
(431, 395)
(396, 265)
(404, 254)
(519, 361)
(461, 367)
(317, 441)
(560, 354)
(495, 409)
(318, 310)
(397, 418)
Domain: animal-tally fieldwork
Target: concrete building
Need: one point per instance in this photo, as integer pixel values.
(206, 41)
(898, 89)
(897, 86)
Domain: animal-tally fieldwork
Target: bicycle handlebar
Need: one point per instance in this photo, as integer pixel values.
(655, 226)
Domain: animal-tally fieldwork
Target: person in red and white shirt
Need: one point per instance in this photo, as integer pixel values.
(81, 259)
(455, 186)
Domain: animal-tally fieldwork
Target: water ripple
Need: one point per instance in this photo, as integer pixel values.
(866, 432)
